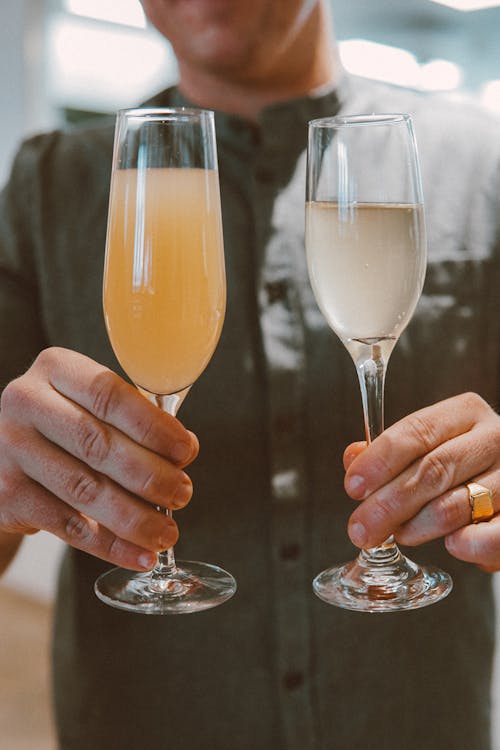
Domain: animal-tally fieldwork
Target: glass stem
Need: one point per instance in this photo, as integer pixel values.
(371, 373)
(165, 568)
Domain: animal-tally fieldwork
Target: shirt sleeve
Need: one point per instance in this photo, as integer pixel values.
(21, 320)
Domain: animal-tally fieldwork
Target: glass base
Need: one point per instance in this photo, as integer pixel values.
(192, 587)
(389, 586)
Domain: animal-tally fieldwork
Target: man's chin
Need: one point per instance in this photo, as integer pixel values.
(219, 55)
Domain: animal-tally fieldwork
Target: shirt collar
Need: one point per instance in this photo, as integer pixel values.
(277, 118)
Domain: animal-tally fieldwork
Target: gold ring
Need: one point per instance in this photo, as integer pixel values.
(481, 502)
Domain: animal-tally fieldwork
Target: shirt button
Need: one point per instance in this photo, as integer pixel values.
(276, 291)
(290, 551)
(293, 680)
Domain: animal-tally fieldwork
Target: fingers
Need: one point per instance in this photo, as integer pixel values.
(477, 543)
(445, 514)
(80, 452)
(448, 466)
(82, 507)
(41, 510)
(414, 487)
(149, 470)
(103, 448)
(96, 496)
(113, 401)
(411, 438)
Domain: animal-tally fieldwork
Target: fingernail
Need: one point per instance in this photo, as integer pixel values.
(357, 533)
(356, 486)
(147, 560)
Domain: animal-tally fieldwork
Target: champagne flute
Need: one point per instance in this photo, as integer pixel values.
(164, 298)
(366, 256)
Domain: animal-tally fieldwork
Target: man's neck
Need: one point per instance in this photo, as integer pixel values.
(312, 63)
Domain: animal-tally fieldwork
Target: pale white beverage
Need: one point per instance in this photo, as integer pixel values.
(366, 257)
(366, 265)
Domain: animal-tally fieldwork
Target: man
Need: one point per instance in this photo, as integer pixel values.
(82, 451)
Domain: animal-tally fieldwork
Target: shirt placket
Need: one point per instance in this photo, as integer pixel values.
(283, 339)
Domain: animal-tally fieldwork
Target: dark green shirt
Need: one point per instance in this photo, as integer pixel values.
(274, 668)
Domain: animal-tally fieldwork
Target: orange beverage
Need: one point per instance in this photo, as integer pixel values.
(164, 279)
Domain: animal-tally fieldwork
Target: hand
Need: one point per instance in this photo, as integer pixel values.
(412, 480)
(85, 456)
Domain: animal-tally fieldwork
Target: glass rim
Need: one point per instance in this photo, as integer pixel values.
(348, 121)
(165, 113)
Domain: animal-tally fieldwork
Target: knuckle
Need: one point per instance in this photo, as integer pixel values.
(15, 444)
(146, 431)
(132, 526)
(79, 532)
(46, 358)
(435, 471)
(152, 485)
(10, 486)
(8, 397)
(83, 533)
(495, 431)
(7, 441)
(113, 548)
(49, 360)
(142, 528)
(9, 520)
(382, 511)
(83, 489)
(422, 430)
(474, 402)
(94, 441)
(15, 396)
(103, 392)
(477, 408)
(449, 513)
(382, 466)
